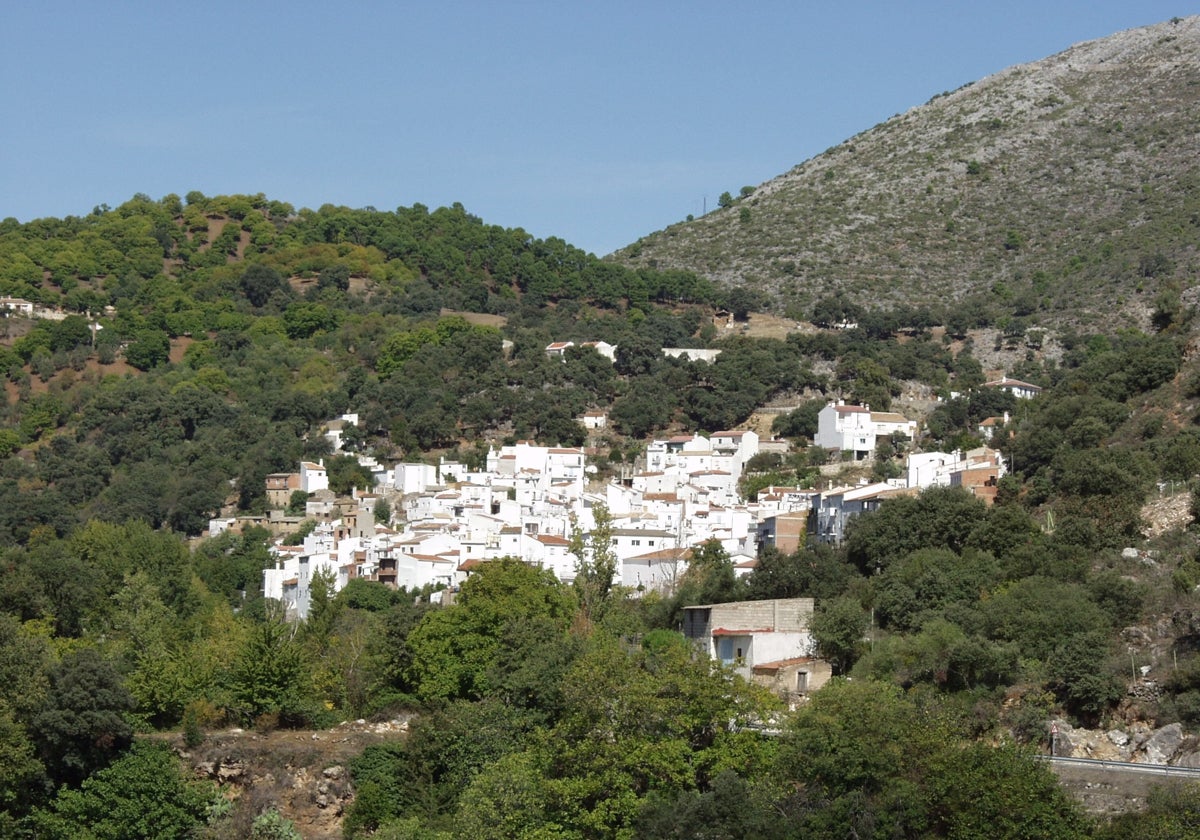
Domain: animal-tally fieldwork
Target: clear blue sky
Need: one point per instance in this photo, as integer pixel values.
(597, 122)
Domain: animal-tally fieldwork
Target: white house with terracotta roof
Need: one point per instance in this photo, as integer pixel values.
(630, 542)
(743, 444)
(594, 419)
(313, 477)
(608, 351)
(558, 349)
(549, 551)
(988, 426)
(856, 429)
(1020, 390)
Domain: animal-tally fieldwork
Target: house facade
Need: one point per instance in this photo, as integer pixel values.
(1020, 390)
(834, 508)
(746, 634)
(856, 429)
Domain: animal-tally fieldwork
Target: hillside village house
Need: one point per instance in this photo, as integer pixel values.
(767, 642)
(855, 429)
(785, 532)
(280, 487)
(1020, 390)
(655, 571)
(978, 471)
(594, 419)
(558, 349)
(17, 306)
(988, 426)
(313, 477)
(833, 508)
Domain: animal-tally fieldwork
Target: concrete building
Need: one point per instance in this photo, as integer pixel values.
(745, 634)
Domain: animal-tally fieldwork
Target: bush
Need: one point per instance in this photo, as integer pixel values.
(271, 825)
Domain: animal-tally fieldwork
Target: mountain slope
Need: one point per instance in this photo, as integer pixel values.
(1067, 187)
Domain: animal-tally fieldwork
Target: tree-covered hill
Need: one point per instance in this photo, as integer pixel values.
(246, 323)
(186, 348)
(1065, 190)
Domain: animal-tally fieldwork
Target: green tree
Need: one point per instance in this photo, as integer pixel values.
(815, 571)
(297, 503)
(259, 282)
(21, 773)
(873, 763)
(149, 349)
(453, 650)
(382, 511)
(268, 675)
(595, 564)
(1080, 675)
(941, 517)
(84, 724)
(144, 794)
(839, 627)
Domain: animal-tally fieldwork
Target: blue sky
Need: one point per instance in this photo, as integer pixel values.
(596, 122)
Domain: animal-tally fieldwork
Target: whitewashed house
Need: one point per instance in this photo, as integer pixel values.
(856, 429)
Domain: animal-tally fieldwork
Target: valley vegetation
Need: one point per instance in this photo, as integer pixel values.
(207, 340)
(200, 343)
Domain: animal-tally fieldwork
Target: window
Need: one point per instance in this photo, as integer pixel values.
(637, 542)
(802, 682)
(725, 650)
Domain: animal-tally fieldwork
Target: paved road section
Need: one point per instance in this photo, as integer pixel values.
(1111, 787)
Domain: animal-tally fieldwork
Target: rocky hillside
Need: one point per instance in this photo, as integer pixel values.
(302, 774)
(1060, 190)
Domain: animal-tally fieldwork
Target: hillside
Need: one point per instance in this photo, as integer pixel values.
(1060, 189)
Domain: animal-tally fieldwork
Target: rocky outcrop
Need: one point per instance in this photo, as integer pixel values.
(1138, 743)
(303, 775)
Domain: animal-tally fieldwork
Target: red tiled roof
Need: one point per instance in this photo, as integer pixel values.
(774, 667)
(725, 631)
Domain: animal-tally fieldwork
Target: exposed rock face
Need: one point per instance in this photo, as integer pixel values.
(1164, 744)
(302, 774)
(1139, 744)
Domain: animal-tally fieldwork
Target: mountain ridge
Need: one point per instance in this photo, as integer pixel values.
(1068, 182)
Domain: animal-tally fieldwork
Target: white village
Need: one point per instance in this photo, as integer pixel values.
(538, 503)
